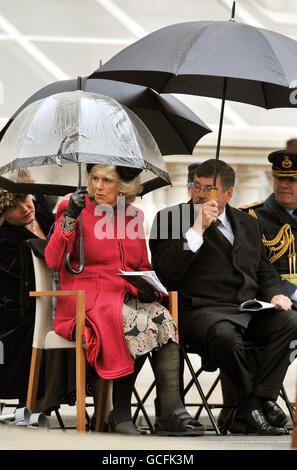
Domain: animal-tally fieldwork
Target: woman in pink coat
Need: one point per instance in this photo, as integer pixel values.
(122, 324)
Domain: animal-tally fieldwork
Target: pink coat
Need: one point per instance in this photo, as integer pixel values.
(107, 349)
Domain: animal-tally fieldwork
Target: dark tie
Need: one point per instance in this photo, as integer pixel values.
(222, 237)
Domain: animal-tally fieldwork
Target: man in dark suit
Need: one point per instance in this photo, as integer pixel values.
(213, 255)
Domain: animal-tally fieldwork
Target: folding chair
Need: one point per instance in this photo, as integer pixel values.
(205, 397)
(45, 338)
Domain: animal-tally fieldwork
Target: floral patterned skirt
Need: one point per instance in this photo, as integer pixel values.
(147, 326)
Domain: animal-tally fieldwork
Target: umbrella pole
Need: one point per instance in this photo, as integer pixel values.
(213, 192)
(81, 241)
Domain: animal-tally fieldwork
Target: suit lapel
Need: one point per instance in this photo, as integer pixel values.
(238, 229)
(214, 234)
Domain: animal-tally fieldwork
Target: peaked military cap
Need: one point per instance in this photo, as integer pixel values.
(284, 164)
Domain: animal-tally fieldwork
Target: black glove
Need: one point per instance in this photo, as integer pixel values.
(76, 204)
(147, 294)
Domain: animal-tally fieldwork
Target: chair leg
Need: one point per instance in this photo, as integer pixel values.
(289, 406)
(140, 406)
(101, 405)
(34, 378)
(80, 364)
(200, 391)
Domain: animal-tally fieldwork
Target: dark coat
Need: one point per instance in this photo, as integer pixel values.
(216, 279)
(16, 330)
(272, 217)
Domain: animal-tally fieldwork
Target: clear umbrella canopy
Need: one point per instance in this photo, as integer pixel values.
(53, 135)
(173, 125)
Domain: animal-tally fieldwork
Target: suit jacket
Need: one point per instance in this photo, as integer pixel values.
(218, 274)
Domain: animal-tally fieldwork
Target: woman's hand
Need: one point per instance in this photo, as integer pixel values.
(77, 202)
(147, 294)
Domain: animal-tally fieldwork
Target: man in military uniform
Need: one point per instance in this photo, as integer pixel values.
(278, 216)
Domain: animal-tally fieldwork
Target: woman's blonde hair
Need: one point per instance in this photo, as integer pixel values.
(129, 189)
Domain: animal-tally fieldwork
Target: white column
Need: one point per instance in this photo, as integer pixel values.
(178, 172)
(248, 184)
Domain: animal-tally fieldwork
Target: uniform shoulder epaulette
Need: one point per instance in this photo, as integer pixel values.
(252, 205)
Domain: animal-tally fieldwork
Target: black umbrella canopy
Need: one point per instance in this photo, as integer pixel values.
(219, 59)
(195, 57)
(175, 128)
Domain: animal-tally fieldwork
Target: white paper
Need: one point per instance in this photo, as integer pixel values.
(135, 277)
(255, 305)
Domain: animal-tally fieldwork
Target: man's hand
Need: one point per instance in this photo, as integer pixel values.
(207, 213)
(281, 302)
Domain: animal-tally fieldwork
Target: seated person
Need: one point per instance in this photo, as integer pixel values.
(123, 324)
(216, 261)
(277, 215)
(24, 218)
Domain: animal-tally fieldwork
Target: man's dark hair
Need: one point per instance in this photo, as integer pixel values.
(225, 171)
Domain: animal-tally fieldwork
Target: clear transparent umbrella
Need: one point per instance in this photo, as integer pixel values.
(55, 135)
(58, 134)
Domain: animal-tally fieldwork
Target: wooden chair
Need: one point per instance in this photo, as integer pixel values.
(45, 338)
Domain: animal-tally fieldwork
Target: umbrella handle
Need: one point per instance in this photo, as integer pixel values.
(81, 255)
(213, 193)
(68, 265)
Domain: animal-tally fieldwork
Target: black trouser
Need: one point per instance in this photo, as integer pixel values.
(224, 345)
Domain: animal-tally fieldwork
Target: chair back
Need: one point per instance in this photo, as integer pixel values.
(44, 305)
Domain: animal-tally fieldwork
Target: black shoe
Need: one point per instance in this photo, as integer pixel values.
(254, 422)
(179, 423)
(125, 427)
(274, 414)
(226, 423)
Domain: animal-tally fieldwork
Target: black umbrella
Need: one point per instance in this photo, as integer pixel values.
(175, 128)
(219, 59)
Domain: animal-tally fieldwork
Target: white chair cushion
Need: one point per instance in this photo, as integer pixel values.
(54, 341)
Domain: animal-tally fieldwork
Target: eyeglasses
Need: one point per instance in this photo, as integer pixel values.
(197, 187)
